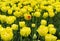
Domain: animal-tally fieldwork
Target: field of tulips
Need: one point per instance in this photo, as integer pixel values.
(29, 20)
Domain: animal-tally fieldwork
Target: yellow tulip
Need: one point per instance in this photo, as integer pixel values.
(22, 24)
(50, 25)
(10, 19)
(37, 14)
(45, 15)
(3, 9)
(23, 10)
(25, 31)
(52, 30)
(19, 5)
(33, 25)
(50, 37)
(2, 18)
(14, 27)
(42, 30)
(1, 29)
(10, 11)
(43, 22)
(17, 14)
(58, 40)
(51, 14)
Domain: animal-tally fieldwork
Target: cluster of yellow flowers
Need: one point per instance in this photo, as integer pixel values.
(28, 10)
(6, 34)
(7, 19)
(43, 31)
(19, 10)
(50, 37)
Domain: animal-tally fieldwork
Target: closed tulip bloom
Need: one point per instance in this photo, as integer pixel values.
(33, 25)
(10, 11)
(22, 24)
(37, 14)
(45, 15)
(50, 25)
(34, 36)
(43, 22)
(51, 14)
(14, 27)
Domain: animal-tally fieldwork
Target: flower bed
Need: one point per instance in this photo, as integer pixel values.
(29, 20)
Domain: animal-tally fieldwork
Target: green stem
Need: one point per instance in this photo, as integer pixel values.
(33, 19)
(33, 28)
(26, 39)
(36, 25)
(21, 38)
(33, 40)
